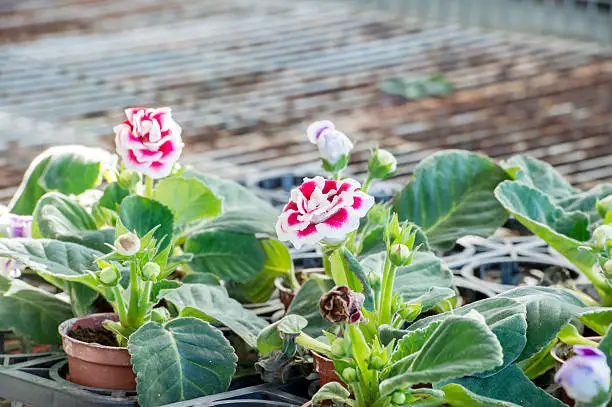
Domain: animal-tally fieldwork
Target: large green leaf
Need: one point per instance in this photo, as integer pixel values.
(538, 175)
(585, 201)
(548, 311)
(212, 303)
(260, 288)
(31, 312)
(306, 304)
(425, 271)
(460, 346)
(139, 214)
(243, 211)
(58, 217)
(58, 259)
(458, 396)
(228, 255)
(510, 385)
(334, 392)
(189, 199)
(112, 197)
(597, 318)
(563, 231)
(66, 169)
(451, 196)
(181, 360)
(504, 316)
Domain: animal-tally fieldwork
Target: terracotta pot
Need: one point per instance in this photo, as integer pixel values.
(325, 367)
(95, 365)
(287, 294)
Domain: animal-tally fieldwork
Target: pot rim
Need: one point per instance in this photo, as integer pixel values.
(65, 326)
(279, 281)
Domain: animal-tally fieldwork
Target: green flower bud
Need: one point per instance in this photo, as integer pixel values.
(127, 244)
(400, 255)
(110, 276)
(375, 281)
(127, 179)
(337, 347)
(382, 164)
(150, 271)
(349, 375)
(160, 315)
(409, 312)
(608, 268)
(604, 206)
(376, 363)
(398, 398)
(601, 236)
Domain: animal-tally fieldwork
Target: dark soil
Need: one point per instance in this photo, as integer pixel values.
(100, 336)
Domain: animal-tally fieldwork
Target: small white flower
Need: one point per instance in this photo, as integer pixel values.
(601, 235)
(127, 244)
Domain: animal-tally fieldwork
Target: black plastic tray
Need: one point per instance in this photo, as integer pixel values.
(38, 380)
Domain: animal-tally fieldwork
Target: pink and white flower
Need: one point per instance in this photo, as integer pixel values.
(333, 145)
(149, 141)
(322, 210)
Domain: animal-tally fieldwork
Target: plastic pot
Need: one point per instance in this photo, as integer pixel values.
(95, 365)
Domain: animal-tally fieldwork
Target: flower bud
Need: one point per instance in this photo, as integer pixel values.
(409, 312)
(376, 363)
(334, 146)
(160, 315)
(110, 276)
(398, 398)
(382, 164)
(608, 267)
(127, 179)
(400, 255)
(341, 304)
(150, 271)
(337, 347)
(602, 235)
(604, 206)
(127, 244)
(349, 375)
(586, 375)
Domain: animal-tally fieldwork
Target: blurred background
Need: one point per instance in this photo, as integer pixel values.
(245, 77)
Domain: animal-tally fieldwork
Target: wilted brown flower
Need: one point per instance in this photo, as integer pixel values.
(341, 304)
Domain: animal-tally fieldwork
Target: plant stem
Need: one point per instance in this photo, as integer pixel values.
(132, 318)
(120, 304)
(311, 343)
(386, 296)
(144, 300)
(292, 280)
(148, 186)
(337, 268)
(367, 183)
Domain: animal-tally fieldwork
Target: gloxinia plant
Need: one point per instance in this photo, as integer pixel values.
(377, 371)
(200, 220)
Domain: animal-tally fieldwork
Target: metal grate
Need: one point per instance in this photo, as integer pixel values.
(244, 78)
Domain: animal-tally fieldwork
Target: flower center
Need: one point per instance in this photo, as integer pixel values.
(320, 206)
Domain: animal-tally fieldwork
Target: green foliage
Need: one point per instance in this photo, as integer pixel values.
(140, 215)
(31, 312)
(180, 360)
(211, 303)
(451, 196)
(54, 170)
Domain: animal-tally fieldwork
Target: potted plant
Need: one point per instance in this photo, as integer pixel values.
(196, 220)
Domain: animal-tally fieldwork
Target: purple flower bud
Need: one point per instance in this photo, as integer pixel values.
(15, 226)
(585, 375)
